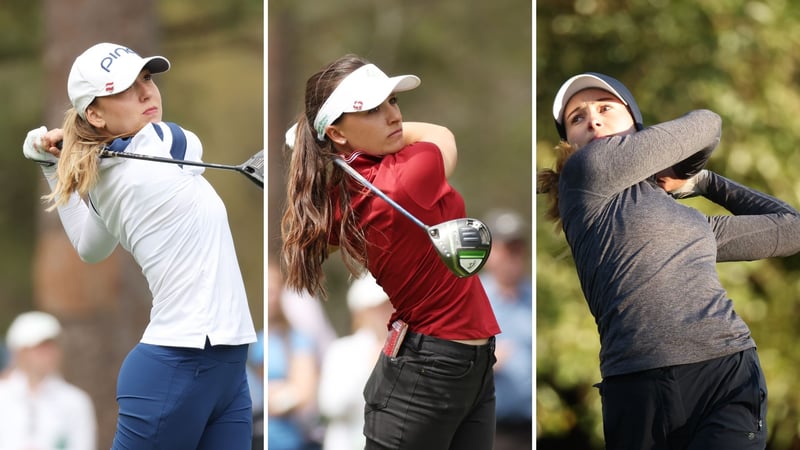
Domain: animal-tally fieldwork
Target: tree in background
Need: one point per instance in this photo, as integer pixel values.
(100, 301)
(736, 58)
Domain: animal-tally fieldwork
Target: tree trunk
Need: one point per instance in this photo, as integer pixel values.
(281, 82)
(103, 307)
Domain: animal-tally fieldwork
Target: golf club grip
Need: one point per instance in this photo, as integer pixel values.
(360, 178)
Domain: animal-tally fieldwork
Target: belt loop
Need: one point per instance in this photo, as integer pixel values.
(485, 351)
(414, 340)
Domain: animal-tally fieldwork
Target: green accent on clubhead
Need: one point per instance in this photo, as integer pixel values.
(472, 254)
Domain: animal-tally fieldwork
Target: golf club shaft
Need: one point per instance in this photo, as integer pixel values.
(111, 154)
(254, 172)
(358, 177)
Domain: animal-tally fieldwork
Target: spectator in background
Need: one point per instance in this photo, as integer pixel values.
(292, 376)
(306, 314)
(3, 360)
(508, 286)
(255, 379)
(39, 410)
(348, 363)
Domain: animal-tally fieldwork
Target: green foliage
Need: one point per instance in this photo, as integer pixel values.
(735, 57)
(20, 40)
(20, 35)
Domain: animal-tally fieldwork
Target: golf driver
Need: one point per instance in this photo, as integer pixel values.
(462, 244)
(253, 168)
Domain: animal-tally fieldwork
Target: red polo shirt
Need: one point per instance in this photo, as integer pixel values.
(424, 293)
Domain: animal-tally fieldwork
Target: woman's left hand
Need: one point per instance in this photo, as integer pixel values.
(680, 188)
(39, 147)
(666, 179)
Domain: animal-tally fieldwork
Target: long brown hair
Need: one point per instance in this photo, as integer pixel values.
(309, 211)
(78, 164)
(547, 180)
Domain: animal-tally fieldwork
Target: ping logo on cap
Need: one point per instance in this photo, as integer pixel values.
(357, 105)
(110, 86)
(113, 55)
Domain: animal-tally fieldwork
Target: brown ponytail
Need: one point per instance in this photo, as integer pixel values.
(547, 180)
(309, 213)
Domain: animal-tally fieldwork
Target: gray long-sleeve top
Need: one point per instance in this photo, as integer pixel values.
(647, 263)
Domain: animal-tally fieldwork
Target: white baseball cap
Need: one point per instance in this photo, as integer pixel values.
(577, 84)
(596, 80)
(365, 293)
(361, 90)
(31, 329)
(107, 69)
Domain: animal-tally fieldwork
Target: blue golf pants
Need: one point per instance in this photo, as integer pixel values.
(176, 398)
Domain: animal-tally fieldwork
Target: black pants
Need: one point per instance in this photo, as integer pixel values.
(717, 404)
(435, 395)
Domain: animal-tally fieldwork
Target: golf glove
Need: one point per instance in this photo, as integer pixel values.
(693, 187)
(32, 148)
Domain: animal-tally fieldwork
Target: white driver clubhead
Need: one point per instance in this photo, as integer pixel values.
(463, 245)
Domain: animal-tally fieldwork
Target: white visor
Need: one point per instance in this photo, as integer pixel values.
(362, 90)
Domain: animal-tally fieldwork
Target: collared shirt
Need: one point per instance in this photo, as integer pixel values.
(401, 257)
(176, 227)
(56, 416)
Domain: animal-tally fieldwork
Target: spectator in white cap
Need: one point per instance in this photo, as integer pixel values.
(348, 363)
(175, 225)
(38, 408)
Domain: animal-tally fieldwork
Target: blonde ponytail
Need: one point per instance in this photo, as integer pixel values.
(78, 164)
